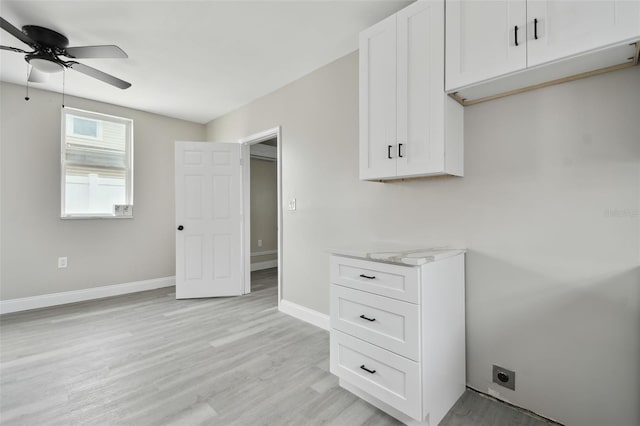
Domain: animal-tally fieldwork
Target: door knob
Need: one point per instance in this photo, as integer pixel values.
(180, 228)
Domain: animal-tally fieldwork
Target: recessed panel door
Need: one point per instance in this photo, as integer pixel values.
(208, 220)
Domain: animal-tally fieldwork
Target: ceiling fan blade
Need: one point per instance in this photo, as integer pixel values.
(107, 51)
(102, 76)
(5, 25)
(36, 76)
(13, 49)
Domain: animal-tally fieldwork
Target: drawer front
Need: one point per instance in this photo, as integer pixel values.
(397, 282)
(388, 323)
(391, 378)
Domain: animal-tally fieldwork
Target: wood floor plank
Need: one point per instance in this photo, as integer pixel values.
(149, 359)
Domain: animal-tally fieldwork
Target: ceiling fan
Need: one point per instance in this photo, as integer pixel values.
(49, 45)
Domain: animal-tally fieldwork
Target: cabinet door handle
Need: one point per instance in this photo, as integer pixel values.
(535, 28)
(367, 370)
(516, 34)
(369, 277)
(400, 150)
(389, 151)
(180, 228)
(368, 319)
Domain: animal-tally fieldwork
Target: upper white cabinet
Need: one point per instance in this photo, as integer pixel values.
(489, 39)
(484, 39)
(408, 126)
(564, 28)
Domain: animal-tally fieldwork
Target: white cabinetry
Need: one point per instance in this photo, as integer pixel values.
(481, 40)
(408, 126)
(561, 28)
(397, 334)
(500, 46)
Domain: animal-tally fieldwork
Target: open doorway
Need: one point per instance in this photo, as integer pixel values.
(263, 212)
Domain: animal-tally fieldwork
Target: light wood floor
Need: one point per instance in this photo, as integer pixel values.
(148, 359)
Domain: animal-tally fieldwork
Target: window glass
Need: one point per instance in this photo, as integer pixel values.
(96, 163)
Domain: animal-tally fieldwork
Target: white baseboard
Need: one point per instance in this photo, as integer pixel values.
(53, 299)
(264, 265)
(264, 253)
(305, 314)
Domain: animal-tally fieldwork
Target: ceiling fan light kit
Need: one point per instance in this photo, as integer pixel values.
(48, 47)
(45, 65)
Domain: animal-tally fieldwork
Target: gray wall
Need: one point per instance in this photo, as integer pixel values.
(548, 209)
(264, 208)
(100, 252)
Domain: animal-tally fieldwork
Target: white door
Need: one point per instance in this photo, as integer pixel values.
(481, 40)
(208, 220)
(378, 142)
(560, 28)
(420, 89)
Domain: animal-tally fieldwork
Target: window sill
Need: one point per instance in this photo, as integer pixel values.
(84, 217)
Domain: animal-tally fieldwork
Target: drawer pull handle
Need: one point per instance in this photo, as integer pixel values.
(367, 370)
(369, 277)
(368, 319)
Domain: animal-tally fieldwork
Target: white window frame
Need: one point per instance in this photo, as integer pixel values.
(63, 167)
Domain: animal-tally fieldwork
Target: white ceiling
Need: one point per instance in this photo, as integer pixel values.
(194, 60)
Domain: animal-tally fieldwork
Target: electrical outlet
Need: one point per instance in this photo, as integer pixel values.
(504, 377)
(259, 243)
(62, 262)
(292, 204)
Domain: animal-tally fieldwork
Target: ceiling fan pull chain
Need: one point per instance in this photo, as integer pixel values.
(64, 78)
(26, 98)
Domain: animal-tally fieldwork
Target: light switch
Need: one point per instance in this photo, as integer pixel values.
(259, 243)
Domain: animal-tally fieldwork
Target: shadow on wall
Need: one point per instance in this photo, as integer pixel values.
(598, 319)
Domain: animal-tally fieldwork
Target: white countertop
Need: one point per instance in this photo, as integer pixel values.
(390, 253)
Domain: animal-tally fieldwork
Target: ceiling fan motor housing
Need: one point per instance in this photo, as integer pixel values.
(46, 37)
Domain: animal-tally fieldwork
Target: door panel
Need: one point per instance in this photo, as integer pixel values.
(480, 39)
(208, 206)
(378, 100)
(420, 88)
(567, 28)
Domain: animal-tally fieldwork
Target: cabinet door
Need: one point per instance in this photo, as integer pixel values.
(378, 100)
(421, 89)
(568, 27)
(481, 42)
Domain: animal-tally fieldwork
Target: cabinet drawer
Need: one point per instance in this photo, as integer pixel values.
(388, 323)
(391, 378)
(397, 282)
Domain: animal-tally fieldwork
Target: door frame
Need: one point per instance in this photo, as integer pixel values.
(246, 143)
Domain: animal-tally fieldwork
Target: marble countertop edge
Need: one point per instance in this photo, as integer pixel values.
(410, 257)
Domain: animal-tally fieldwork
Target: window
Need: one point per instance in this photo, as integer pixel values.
(97, 163)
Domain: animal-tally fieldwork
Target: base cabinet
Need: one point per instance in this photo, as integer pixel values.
(397, 334)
